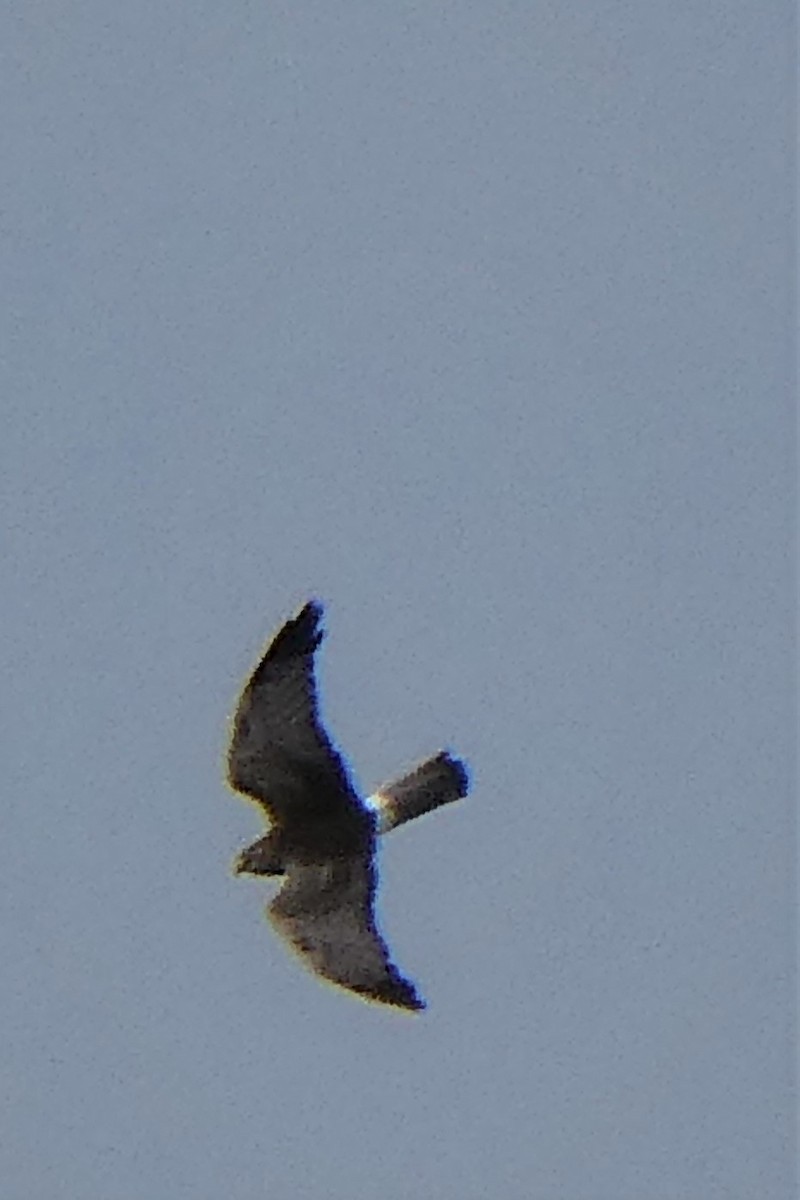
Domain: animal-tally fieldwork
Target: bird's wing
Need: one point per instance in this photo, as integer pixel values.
(280, 753)
(439, 780)
(325, 912)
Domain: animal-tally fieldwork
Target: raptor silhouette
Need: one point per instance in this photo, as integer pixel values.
(322, 834)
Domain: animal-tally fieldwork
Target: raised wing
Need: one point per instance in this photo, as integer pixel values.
(325, 912)
(439, 780)
(279, 752)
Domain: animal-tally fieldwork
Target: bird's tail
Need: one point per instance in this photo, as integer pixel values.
(438, 780)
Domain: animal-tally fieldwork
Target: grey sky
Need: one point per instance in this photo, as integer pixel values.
(473, 320)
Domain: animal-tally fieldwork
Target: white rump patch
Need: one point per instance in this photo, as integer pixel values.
(377, 804)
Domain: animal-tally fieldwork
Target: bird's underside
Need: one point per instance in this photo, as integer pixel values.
(434, 782)
(322, 835)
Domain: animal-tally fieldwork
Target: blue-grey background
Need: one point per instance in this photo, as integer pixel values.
(473, 320)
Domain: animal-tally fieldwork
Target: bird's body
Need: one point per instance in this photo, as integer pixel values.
(322, 834)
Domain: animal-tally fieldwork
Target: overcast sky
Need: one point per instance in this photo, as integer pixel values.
(473, 320)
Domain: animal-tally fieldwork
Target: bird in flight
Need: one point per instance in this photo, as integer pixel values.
(322, 834)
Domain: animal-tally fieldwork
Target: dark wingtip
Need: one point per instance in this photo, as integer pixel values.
(396, 992)
(313, 607)
(300, 635)
(406, 996)
(307, 620)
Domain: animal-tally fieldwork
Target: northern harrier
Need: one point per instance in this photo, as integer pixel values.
(322, 834)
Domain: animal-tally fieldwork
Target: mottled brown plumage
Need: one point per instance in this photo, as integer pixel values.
(322, 835)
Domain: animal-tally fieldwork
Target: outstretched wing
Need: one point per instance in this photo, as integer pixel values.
(325, 912)
(279, 752)
(439, 780)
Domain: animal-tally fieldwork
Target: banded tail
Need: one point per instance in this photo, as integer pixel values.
(437, 781)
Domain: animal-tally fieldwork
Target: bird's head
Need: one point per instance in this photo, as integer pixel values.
(262, 858)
